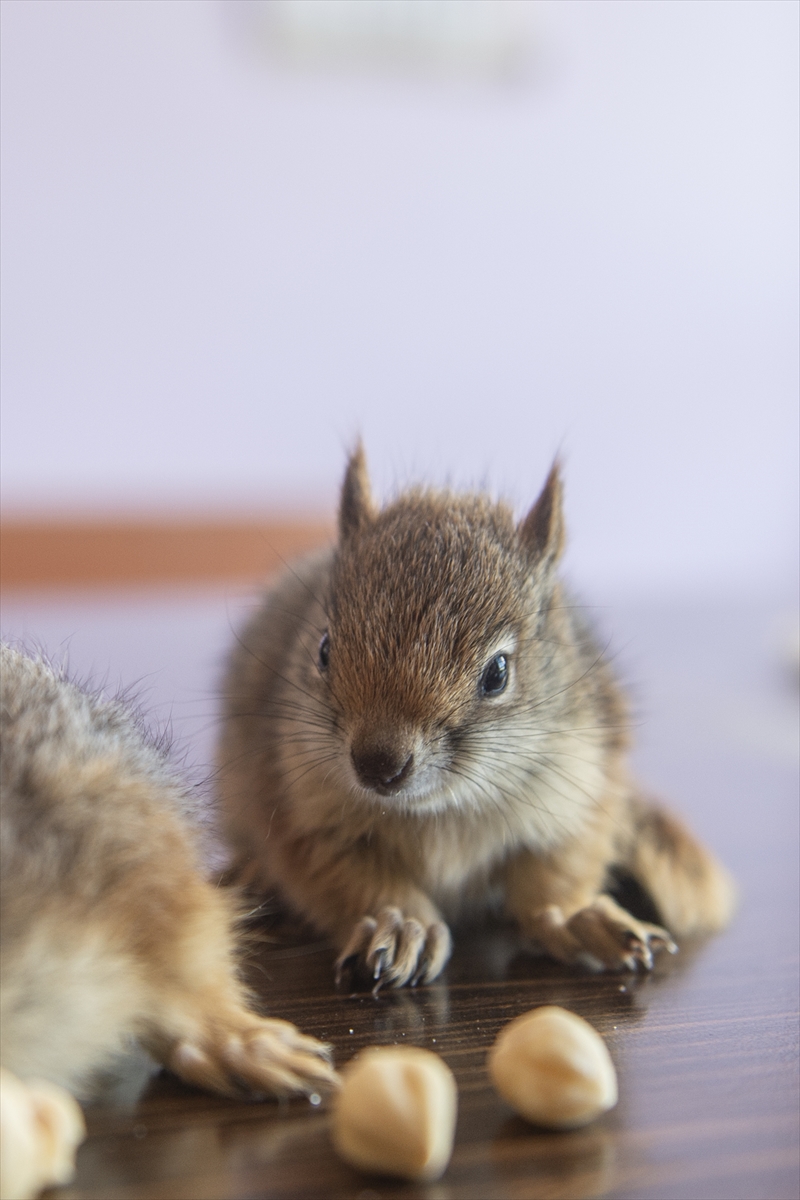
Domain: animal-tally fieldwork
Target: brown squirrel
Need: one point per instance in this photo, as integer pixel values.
(418, 723)
(110, 931)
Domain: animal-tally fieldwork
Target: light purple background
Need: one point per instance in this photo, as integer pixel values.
(216, 271)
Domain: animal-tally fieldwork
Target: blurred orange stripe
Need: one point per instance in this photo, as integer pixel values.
(49, 554)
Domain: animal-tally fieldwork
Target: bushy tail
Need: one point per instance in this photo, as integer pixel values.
(692, 891)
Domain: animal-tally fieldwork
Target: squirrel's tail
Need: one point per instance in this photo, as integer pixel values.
(691, 890)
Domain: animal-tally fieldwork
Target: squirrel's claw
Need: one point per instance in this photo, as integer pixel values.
(602, 933)
(394, 950)
(359, 939)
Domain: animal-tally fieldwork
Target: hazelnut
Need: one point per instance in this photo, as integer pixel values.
(553, 1068)
(40, 1127)
(396, 1113)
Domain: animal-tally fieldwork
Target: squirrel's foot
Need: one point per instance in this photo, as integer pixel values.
(602, 936)
(394, 950)
(247, 1053)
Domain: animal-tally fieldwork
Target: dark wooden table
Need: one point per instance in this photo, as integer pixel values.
(706, 1048)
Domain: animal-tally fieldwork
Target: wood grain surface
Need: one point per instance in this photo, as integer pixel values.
(707, 1092)
(705, 1048)
(707, 1101)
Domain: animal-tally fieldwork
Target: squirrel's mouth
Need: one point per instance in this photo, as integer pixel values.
(402, 764)
(382, 790)
(420, 790)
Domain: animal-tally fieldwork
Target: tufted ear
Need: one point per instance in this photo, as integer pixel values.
(356, 507)
(542, 531)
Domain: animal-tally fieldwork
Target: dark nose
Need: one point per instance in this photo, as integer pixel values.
(381, 767)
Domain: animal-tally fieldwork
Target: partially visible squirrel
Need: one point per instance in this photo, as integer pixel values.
(418, 723)
(110, 931)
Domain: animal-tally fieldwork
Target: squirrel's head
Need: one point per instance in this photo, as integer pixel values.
(435, 604)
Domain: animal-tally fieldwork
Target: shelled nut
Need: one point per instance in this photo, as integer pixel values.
(553, 1068)
(396, 1113)
(40, 1128)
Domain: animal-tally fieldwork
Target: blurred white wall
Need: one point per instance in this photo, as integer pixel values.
(217, 270)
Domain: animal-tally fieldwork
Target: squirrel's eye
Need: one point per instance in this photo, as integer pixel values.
(324, 654)
(495, 676)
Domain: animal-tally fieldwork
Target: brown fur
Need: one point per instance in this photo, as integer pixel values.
(109, 930)
(381, 792)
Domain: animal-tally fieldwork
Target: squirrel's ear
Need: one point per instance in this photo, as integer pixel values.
(356, 508)
(542, 531)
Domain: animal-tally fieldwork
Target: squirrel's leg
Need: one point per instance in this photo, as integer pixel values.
(692, 892)
(557, 899)
(199, 1023)
(386, 928)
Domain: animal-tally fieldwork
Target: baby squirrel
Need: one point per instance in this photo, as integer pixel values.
(418, 723)
(109, 930)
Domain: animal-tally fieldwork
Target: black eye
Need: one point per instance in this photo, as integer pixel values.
(324, 654)
(495, 676)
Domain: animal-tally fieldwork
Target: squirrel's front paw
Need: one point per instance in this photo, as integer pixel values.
(260, 1055)
(602, 935)
(394, 950)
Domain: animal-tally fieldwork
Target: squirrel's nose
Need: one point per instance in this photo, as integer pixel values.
(382, 767)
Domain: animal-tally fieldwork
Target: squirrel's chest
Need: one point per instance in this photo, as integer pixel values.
(451, 860)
